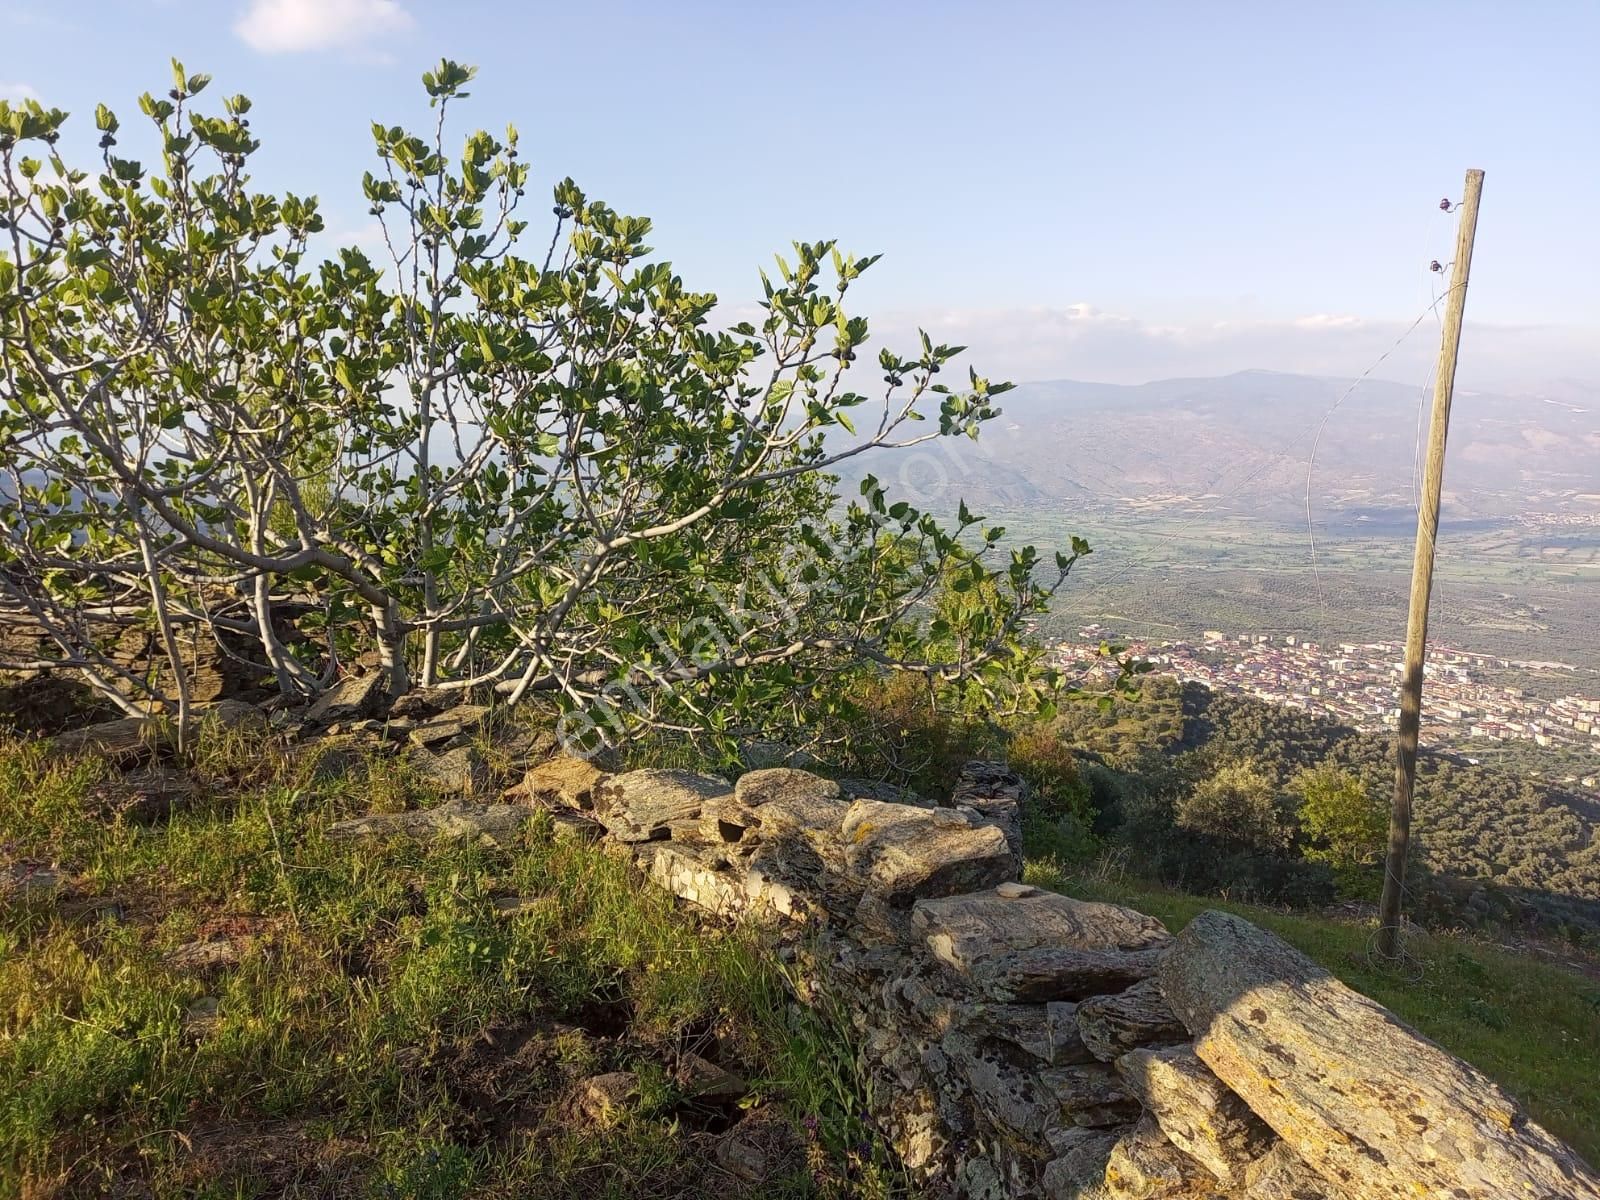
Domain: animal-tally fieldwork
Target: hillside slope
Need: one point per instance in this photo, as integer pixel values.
(1493, 845)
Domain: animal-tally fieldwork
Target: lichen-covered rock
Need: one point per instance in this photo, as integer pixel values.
(641, 806)
(687, 831)
(123, 741)
(986, 1018)
(1048, 1032)
(703, 1080)
(904, 1104)
(1031, 946)
(145, 794)
(1279, 1174)
(964, 931)
(788, 876)
(512, 907)
(1049, 974)
(1044, 973)
(1139, 1016)
(763, 1146)
(230, 714)
(1195, 1110)
(463, 720)
(725, 821)
(329, 757)
(571, 827)
(499, 824)
(1008, 1088)
(905, 854)
(202, 957)
(926, 994)
(794, 826)
(695, 875)
(604, 1098)
(996, 794)
(458, 772)
(1145, 1166)
(1079, 1168)
(880, 918)
(202, 1018)
(1365, 1100)
(1091, 1094)
(422, 703)
(980, 1178)
(565, 781)
(31, 882)
(816, 818)
(353, 697)
(524, 744)
(755, 788)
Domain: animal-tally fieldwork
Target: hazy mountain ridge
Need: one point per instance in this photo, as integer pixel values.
(1242, 443)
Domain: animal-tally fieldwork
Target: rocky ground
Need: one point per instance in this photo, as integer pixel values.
(257, 970)
(416, 953)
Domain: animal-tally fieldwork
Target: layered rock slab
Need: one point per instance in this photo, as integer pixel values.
(995, 794)
(498, 824)
(127, 740)
(1198, 1114)
(1144, 1165)
(904, 853)
(564, 781)
(1139, 1016)
(1022, 944)
(1079, 1168)
(1373, 1106)
(643, 806)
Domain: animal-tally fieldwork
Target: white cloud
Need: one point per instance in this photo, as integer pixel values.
(1329, 321)
(279, 26)
(18, 91)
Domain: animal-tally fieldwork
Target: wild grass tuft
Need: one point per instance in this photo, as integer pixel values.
(379, 1027)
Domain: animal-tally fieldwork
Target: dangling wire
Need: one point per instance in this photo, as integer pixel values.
(1437, 268)
(1311, 463)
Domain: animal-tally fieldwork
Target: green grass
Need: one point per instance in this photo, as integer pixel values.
(384, 1032)
(1531, 1026)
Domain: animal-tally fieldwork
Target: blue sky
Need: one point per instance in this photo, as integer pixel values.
(1099, 190)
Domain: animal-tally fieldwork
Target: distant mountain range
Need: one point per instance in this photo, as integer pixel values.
(1242, 443)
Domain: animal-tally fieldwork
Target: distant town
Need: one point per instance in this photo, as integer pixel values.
(1357, 684)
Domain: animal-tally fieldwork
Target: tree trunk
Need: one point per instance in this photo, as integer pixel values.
(169, 639)
(293, 680)
(392, 648)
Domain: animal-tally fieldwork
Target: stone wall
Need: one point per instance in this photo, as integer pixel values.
(1019, 1043)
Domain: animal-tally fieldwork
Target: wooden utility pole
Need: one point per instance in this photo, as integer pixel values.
(1405, 772)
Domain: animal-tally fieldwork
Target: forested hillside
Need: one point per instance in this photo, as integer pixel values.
(1531, 842)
